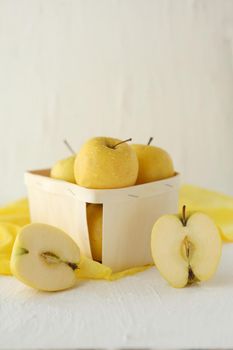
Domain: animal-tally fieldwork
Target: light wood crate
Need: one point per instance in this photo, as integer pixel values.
(128, 214)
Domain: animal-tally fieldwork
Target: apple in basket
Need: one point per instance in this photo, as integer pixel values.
(105, 162)
(154, 163)
(64, 169)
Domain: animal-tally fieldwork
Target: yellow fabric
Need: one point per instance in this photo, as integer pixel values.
(218, 206)
(89, 269)
(16, 215)
(12, 217)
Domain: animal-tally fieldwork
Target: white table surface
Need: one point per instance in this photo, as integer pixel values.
(139, 311)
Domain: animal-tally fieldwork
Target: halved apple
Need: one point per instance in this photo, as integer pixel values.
(44, 257)
(186, 250)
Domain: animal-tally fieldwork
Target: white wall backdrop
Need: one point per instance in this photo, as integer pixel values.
(126, 68)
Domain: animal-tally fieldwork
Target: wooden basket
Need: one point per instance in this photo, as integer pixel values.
(128, 214)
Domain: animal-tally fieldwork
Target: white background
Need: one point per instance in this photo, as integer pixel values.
(133, 68)
(125, 68)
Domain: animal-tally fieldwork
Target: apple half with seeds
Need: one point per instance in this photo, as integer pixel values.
(44, 257)
(186, 250)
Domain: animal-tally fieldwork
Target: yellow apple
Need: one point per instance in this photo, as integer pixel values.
(154, 163)
(64, 170)
(186, 250)
(94, 221)
(104, 163)
(44, 257)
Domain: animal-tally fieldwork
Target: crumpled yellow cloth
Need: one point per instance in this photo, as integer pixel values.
(218, 206)
(16, 215)
(12, 217)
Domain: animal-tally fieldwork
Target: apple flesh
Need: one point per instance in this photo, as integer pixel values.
(104, 163)
(95, 226)
(154, 163)
(64, 170)
(186, 251)
(44, 257)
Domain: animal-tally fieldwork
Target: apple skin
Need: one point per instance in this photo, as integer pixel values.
(100, 166)
(154, 163)
(64, 170)
(95, 226)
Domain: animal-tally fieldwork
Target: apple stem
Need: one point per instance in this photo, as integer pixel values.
(119, 143)
(150, 140)
(69, 146)
(184, 219)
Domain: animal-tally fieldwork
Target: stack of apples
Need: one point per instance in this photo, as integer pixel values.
(185, 249)
(107, 163)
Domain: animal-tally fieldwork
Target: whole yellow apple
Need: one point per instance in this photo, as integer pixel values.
(64, 170)
(104, 163)
(154, 163)
(94, 222)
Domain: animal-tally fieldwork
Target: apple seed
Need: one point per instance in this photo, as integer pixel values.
(52, 258)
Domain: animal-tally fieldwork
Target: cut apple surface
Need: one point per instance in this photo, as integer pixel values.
(44, 257)
(186, 251)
